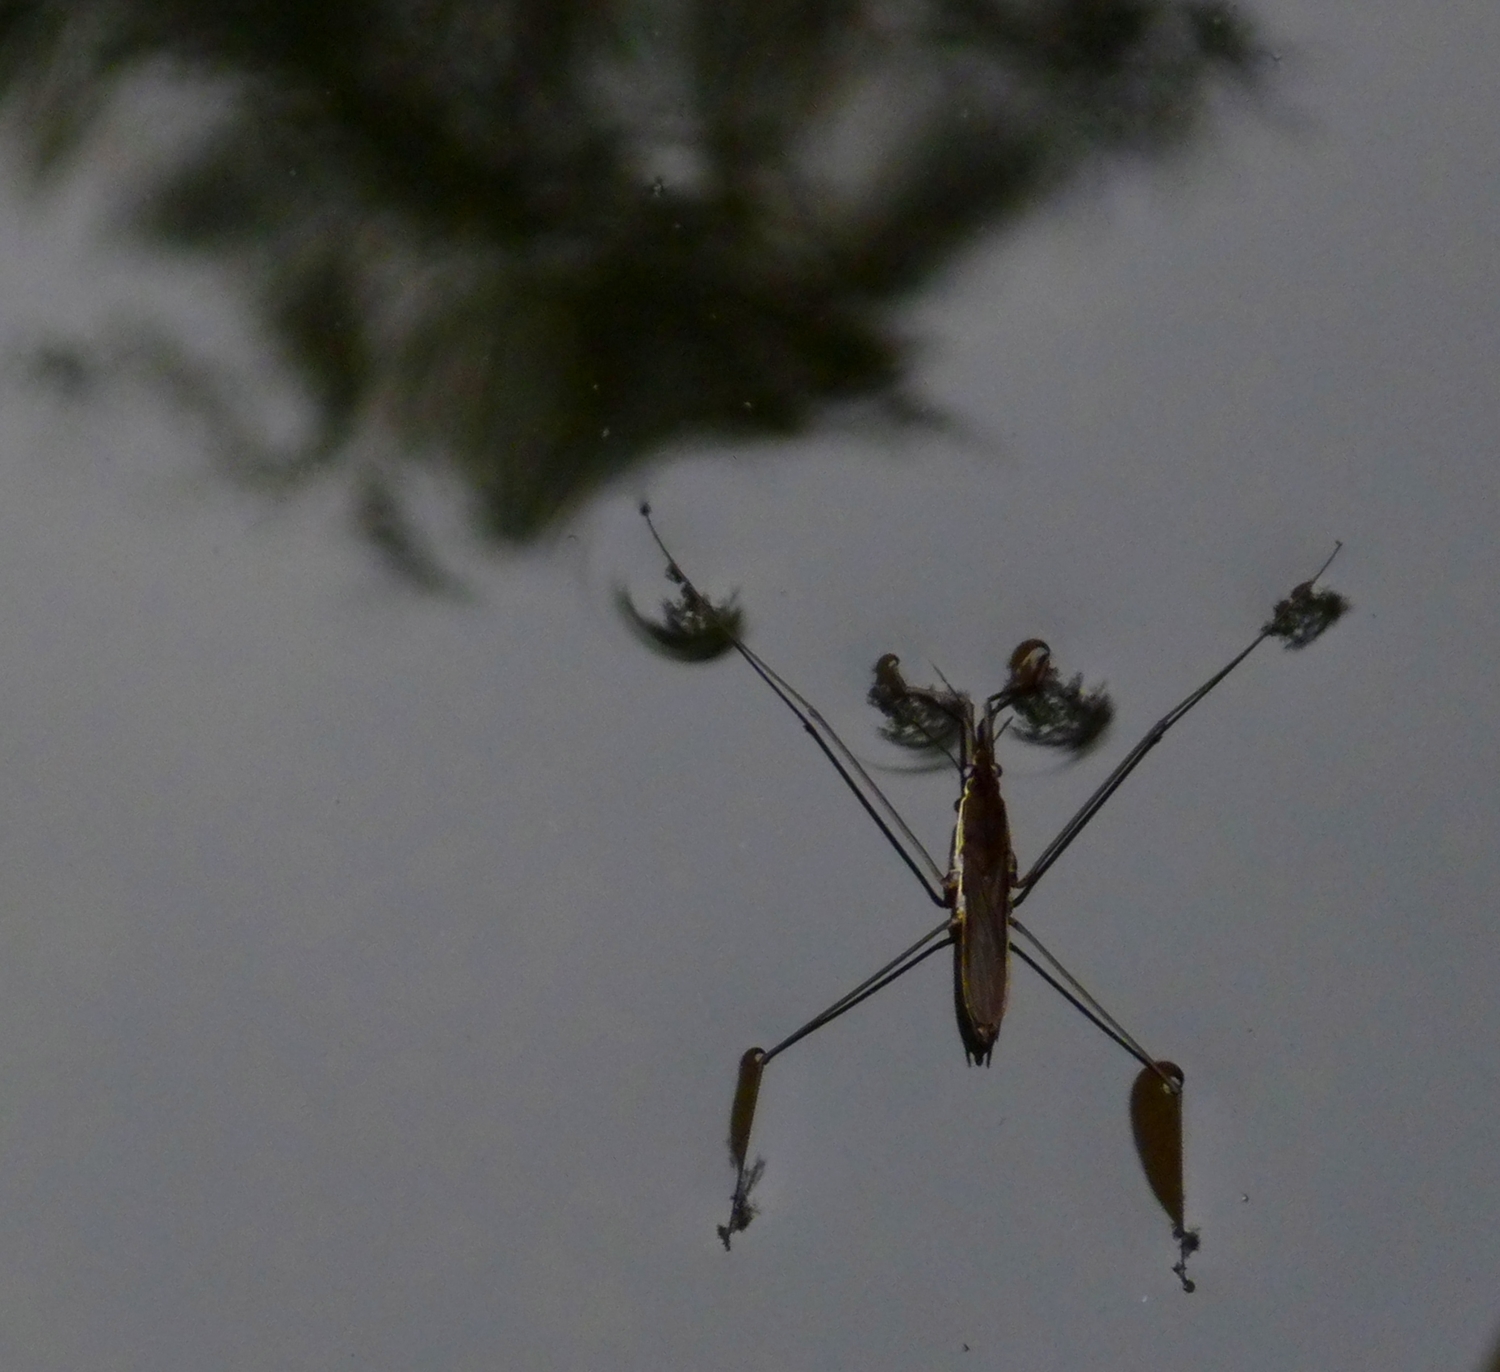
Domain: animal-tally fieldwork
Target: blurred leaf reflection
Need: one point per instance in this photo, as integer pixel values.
(534, 242)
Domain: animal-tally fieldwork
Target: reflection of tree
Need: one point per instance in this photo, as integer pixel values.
(537, 240)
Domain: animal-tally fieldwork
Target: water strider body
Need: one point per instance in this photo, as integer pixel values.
(981, 874)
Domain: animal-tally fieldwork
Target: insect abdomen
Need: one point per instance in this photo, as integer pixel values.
(983, 869)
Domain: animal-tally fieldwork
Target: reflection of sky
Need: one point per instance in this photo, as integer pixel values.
(375, 970)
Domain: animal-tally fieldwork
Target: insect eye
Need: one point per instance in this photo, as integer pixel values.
(1029, 664)
(889, 688)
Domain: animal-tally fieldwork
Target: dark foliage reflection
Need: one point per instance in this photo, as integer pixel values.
(532, 243)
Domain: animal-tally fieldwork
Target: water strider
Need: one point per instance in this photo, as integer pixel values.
(981, 887)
